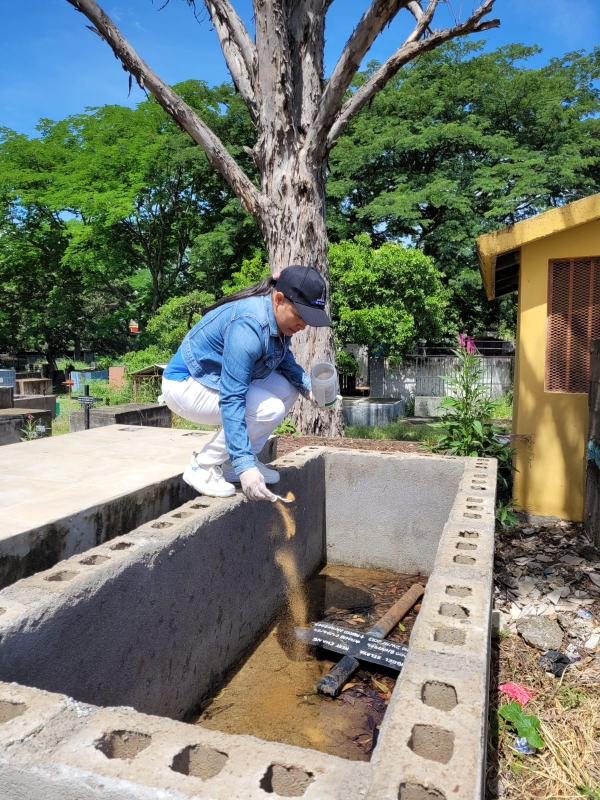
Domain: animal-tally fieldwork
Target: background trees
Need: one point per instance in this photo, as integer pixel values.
(115, 214)
(460, 143)
(297, 117)
(386, 298)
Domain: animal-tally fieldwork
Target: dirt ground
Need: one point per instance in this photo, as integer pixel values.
(287, 444)
(548, 571)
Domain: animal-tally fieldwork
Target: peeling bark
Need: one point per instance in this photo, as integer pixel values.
(298, 119)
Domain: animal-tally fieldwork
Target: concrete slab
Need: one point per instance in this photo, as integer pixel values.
(65, 494)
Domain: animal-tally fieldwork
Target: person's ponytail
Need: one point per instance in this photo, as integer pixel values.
(260, 289)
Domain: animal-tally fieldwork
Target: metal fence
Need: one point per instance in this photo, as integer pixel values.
(424, 376)
(431, 373)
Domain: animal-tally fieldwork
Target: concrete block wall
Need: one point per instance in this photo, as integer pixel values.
(142, 594)
(146, 414)
(13, 420)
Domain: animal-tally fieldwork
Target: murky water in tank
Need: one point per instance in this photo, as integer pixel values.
(272, 694)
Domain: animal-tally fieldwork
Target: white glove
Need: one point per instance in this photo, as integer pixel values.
(254, 486)
(312, 400)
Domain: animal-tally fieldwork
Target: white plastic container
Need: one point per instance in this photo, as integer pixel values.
(324, 383)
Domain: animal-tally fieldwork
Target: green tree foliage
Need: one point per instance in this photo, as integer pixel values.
(167, 328)
(461, 143)
(148, 196)
(252, 271)
(48, 300)
(109, 214)
(385, 298)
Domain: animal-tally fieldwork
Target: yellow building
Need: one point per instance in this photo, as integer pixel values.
(553, 261)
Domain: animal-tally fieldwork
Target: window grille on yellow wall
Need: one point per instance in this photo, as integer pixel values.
(573, 321)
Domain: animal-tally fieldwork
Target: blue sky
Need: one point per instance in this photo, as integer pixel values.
(52, 66)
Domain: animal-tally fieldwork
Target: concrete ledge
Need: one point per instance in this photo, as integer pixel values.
(372, 411)
(65, 494)
(51, 751)
(47, 402)
(147, 414)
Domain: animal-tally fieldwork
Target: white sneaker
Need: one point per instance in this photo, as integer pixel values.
(207, 480)
(270, 475)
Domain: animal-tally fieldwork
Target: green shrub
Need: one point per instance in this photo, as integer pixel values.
(347, 363)
(466, 427)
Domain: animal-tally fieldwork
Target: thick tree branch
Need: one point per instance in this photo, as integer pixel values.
(238, 49)
(185, 116)
(423, 18)
(380, 13)
(410, 49)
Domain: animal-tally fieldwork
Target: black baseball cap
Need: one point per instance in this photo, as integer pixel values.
(307, 291)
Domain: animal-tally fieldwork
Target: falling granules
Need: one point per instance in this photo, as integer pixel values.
(296, 596)
(297, 607)
(289, 524)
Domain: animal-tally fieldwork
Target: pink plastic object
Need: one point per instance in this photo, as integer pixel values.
(517, 692)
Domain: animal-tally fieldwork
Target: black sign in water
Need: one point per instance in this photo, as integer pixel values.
(359, 645)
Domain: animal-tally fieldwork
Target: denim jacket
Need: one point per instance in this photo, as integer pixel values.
(229, 348)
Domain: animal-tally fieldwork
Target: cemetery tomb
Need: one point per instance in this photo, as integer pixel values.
(110, 656)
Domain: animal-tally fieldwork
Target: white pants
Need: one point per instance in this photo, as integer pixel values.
(267, 402)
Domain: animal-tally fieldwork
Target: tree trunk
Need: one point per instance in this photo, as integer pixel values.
(295, 233)
(298, 119)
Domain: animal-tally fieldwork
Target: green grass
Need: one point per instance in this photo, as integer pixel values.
(399, 431)
(60, 426)
(503, 407)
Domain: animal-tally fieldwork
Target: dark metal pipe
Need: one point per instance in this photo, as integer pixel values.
(333, 683)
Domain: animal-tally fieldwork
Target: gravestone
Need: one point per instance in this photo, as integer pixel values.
(47, 402)
(13, 420)
(34, 386)
(145, 414)
(6, 397)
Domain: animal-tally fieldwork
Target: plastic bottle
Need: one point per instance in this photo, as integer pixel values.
(324, 383)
